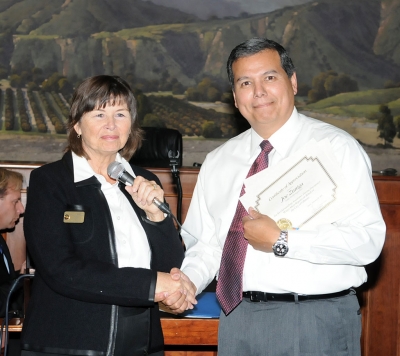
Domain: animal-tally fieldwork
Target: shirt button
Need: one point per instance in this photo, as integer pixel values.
(118, 218)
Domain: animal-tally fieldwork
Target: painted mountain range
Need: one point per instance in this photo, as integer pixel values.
(79, 38)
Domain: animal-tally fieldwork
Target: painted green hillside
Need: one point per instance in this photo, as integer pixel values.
(358, 104)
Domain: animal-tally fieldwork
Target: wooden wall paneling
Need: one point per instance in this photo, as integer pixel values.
(379, 297)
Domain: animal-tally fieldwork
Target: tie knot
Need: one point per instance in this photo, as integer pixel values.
(266, 146)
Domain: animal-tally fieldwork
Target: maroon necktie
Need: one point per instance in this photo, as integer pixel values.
(230, 278)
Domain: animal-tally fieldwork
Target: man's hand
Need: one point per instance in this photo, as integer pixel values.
(260, 230)
(182, 299)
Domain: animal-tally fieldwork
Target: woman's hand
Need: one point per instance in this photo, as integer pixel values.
(143, 193)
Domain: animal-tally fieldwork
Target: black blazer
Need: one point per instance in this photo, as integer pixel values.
(78, 286)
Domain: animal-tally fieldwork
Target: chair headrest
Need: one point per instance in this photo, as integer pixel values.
(161, 147)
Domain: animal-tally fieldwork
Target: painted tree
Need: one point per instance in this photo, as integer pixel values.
(397, 123)
(330, 83)
(386, 126)
(211, 130)
(152, 120)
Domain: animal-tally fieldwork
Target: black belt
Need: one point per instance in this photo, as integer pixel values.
(289, 297)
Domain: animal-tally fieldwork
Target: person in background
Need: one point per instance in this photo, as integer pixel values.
(11, 209)
(283, 291)
(103, 252)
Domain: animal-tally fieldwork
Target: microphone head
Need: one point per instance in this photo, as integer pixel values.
(115, 169)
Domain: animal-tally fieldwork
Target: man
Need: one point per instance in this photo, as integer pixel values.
(10, 210)
(298, 297)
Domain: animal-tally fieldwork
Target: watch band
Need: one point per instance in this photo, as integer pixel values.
(280, 247)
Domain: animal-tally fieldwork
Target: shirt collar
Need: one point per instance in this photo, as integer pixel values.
(256, 139)
(83, 170)
(282, 139)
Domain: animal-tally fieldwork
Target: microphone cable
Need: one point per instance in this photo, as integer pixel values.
(177, 222)
(6, 318)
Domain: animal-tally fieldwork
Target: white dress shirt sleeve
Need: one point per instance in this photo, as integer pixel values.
(203, 255)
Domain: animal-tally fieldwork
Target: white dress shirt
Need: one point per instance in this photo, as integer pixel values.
(133, 248)
(327, 259)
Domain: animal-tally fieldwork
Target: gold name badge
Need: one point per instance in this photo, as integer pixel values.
(74, 217)
(284, 224)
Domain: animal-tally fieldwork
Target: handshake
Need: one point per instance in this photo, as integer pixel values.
(175, 291)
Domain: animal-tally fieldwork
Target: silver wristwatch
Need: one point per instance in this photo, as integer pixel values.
(280, 247)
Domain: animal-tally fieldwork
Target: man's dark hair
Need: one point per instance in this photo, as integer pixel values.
(254, 46)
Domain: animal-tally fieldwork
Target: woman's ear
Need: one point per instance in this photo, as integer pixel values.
(77, 128)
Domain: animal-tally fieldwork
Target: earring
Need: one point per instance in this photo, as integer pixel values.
(78, 136)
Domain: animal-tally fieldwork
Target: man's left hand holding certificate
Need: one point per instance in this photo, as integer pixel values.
(303, 191)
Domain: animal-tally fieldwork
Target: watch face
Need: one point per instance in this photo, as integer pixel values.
(280, 248)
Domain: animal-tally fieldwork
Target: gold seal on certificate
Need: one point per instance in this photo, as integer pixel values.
(284, 224)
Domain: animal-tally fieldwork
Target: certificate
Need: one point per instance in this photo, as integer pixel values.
(303, 191)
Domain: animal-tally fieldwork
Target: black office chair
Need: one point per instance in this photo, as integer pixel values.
(12, 314)
(162, 148)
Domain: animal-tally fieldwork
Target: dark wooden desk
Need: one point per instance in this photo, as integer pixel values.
(190, 331)
(190, 337)
(14, 325)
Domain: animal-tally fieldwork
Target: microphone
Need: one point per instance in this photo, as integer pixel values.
(117, 171)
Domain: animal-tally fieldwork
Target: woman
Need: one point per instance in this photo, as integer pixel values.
(96, 244)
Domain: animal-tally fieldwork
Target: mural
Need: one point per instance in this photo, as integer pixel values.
(346, 52)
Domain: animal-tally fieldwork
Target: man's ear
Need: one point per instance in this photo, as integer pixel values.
(293, 80)
(234, 98)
